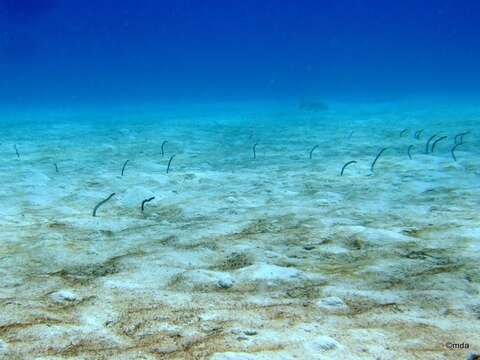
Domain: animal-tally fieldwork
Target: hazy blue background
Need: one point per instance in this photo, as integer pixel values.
(117, 51)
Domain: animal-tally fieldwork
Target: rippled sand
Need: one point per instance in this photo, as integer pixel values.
(274, 258)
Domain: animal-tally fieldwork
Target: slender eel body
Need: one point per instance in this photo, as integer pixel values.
(169, 163)
(404, 131)
(101, 203)
(456, 138)
(375, 161)
(254, 151)
(462, 135)
(437, 141)
(16, 151)
(145, 201)
(56, 167)
(418, 133)
(459, 137)
(453, 151)
(427, 145)
(313, 149)
(123, 167)
(345, 166)
(163, 144)
(409, 152)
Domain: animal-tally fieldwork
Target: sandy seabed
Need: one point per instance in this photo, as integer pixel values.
(277, 257)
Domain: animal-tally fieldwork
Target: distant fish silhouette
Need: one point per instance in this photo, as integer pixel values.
(312, 105)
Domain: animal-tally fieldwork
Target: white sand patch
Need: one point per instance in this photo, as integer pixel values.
(274, 258)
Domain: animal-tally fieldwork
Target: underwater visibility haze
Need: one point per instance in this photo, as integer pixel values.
(239, 179)
(55, 51)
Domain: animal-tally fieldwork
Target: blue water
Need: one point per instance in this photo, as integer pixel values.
(108, 51)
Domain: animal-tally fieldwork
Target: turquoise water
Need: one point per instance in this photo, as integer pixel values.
(240, 257)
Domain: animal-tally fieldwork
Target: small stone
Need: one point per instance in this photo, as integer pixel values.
(332, 304)
(225, 283)
(473, 356)
(332, 301)
(63, 296)
(250, 332)
(166, 349)
(322, 343)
